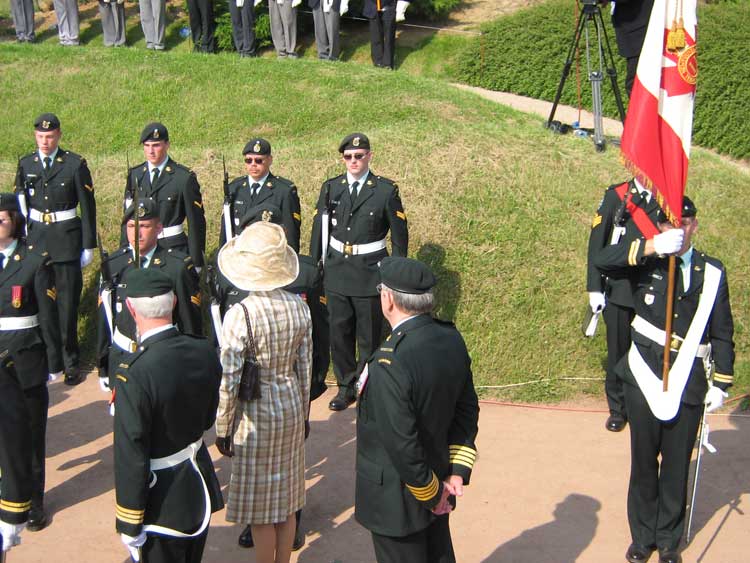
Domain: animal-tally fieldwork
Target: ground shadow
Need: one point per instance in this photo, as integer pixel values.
(77, 427)
(448, 291)
(560, 541)
(96, 480)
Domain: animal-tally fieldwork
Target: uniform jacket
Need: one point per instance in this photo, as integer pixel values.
(376, 210)
(617, 289)
(178, 266)
(416, 425)
(650, 298)
(155, 384)
(179, 197)
(276, 191)
(29, 275)
(65, 186)
(630, 20)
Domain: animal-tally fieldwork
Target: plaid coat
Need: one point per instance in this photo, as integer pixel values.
(267, 482)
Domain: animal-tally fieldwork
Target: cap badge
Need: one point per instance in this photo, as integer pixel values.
(157, 261)
(155, 134)
(168, 169)
(45, 124)
(141, 211)
(266, 215)
(355, 142)
(256, 147)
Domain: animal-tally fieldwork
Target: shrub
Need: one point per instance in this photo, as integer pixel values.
(223, 32)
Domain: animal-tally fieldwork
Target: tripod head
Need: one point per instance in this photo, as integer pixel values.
(590, 7)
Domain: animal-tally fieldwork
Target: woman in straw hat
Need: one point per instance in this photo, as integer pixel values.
(265, 436)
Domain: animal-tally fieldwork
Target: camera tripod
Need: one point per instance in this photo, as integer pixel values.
(590, 14)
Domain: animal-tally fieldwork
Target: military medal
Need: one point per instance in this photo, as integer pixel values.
(362, 381)
(17, 293)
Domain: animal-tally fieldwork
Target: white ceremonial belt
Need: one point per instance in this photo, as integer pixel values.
(186, 453)
(123, 342)
(354, 249)
(52, 216)
(645, 328)
(17, 323)
(172, 231)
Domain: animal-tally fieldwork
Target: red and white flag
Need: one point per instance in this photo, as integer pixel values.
(659, 123)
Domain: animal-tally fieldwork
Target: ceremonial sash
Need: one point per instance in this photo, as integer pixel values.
(639, 215)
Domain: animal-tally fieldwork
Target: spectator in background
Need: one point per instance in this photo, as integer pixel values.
(630, 20)
(326, 16)
(383, 15)
(23, 20)
(242, 13)
(153, 21)
(66, 12)
(112, 13)
(283, 14)
(202, 25)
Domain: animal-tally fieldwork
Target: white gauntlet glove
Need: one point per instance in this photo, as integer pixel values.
(296, 3)
(343, 7)
(596, 301)
(54, 376)
(257, 2)
(134, 544)
(401, 6)
(11, 535)
(669, 241)
(86, 257)
(104, 384)
(714, 398)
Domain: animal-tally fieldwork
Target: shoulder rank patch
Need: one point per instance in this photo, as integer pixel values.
(198, 204)
(384, 349)
(297, 216)
(52, 293)
(121, 377)
(196, 299)
(385, 361)
(124, 366)
(401, 215)
(186, 259)
(323, 300)
(89, 188)
(597, 220)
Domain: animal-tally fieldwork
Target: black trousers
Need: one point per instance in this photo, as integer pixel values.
(163, 549)
(202, 25)
(383, 37)
(15, 439)
(431, 545)
(37, 403)
(618, 319)
(243, 27)
(356, 324)
(657, 494)
(69, 283)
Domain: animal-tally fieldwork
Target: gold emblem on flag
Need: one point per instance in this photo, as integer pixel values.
(687, 65)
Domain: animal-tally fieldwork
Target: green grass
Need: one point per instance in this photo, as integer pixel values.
(500, 207)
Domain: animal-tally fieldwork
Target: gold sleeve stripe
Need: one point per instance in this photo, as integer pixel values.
(129, 519)
(384, 361)
(633, 252)
(132, 511)
(597, 221)
(89, 188)
(427, 492)
(9, 506)
(52, 294)
(462, 460)
(401, 215)
(323, 300)
(723, 378)
(198, 204)
(456, 449)
(196, 299)
(121, 378)
(297, 216)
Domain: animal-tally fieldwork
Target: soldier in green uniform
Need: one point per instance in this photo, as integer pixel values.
(166, 397)
(354, 213)
(29, 355)
(416, 423)
(116, 334)
(175, 190)
(51, 182)
(249, 194)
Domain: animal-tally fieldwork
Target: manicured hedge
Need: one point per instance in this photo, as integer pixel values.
(524, 53)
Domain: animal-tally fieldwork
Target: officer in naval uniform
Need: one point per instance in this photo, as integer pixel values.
(627, 209)
(176, 191)
(250, 194)
(29, 354)
(354, 213)
(116, 334)
(51, 182)
(663, 425)
(165, 484)
(416, 423)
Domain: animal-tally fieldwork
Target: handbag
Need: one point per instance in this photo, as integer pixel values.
(250, 380)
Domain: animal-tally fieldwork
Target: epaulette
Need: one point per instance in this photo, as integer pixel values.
(444, 323)
(182, 167)
(118, 253)
(391, 343)
(121, 372)
(384, 180)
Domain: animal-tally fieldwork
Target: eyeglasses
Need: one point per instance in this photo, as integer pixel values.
(250, 160)
(355, 156)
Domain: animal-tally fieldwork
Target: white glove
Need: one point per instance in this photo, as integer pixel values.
(257, 2)
(54, 376)
(239, 3)
(134, 544)
(104, 384)
(714, 398)
(343, 7)
(401, 6)
(596, 301)
(296, 3)
(198, 270)
(669, 241)
(11, 534)
(86, 257)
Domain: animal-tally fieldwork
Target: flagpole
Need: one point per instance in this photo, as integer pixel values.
(668, 323)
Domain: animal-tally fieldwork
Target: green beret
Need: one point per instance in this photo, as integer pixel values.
(406, 275)
(147, 282)
(46, 122)
(355, 141)
(257, 146)
(8, 202)
(688, 210)
(263, 212)
(154, 132)
(147, 209)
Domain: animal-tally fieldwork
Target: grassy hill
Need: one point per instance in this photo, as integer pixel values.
(500, 207)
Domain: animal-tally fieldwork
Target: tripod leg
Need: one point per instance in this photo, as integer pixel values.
(596, 77)
(611, 70)
(566, 67)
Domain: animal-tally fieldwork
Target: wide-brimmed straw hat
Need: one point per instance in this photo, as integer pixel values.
(259, 259)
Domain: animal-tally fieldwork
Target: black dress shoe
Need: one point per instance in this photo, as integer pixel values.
(615, 423)
(638, 554)
(343, 399)
(37, 519)
(669, 556)
(299, 539)
(73, 376)
(246, 538)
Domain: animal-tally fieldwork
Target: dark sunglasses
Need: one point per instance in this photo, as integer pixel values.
(258, 160)
(356, 156)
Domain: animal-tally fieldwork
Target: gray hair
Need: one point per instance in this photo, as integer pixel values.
(412, 303)
(157, 307)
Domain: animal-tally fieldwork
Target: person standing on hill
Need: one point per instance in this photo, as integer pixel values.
(67, 22)
(283, 16)
(112, 13)
(242, 14)
(326, 17)
(153, 22)
(630, 20)
(23, 20)
(202, 25)
(383, 15)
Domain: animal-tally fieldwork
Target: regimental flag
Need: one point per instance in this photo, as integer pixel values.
(659, 123)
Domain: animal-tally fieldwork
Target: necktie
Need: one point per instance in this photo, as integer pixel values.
(2, 260)
(353, 191)
(254, 189)
(155, 177)
(47, 163)
(143, 261)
